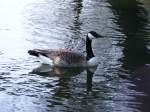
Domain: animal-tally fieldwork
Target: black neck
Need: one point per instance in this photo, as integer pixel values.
(89, 50)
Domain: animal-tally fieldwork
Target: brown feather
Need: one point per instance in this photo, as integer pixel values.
(61, 55)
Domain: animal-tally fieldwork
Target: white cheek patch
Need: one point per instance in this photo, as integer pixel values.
(90, 36)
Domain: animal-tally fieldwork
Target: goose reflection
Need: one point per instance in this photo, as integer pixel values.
(47, 70)
(89, 80)
(62, 72)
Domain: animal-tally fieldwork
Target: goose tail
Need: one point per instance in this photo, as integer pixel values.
(34, 53)
(41, 55)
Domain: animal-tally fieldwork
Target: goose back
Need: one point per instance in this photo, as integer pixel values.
(62, 57)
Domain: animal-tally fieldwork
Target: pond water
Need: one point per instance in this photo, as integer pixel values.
(120, 83)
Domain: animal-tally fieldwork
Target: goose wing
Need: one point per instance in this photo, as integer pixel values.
(62, 54)
(70, 57)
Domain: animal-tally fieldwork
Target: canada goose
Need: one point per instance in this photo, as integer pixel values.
(66, 58)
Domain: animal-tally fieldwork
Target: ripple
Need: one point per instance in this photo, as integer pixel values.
(119, 80)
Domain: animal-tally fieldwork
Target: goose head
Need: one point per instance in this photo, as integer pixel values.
(93, 35)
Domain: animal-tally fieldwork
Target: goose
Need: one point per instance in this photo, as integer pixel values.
(67, 58)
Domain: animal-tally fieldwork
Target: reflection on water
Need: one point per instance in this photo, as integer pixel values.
(119, 84)
(56, 71)
(133, 21)
(49, 71)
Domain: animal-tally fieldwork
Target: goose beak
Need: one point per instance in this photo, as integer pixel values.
(98, 36)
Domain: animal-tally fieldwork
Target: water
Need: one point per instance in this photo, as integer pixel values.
(119, 84)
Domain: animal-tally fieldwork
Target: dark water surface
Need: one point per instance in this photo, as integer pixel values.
(121, 82)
